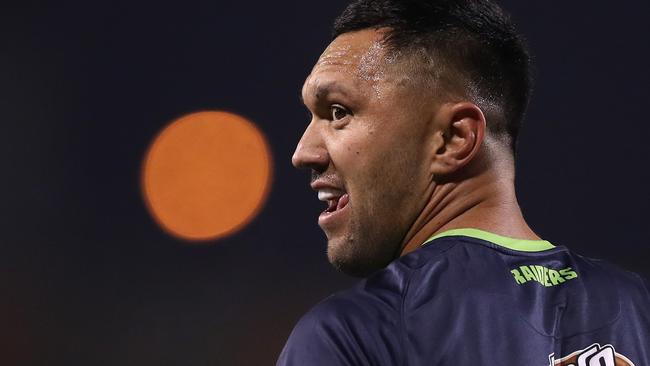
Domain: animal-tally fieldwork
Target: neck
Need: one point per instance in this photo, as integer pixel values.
(484, 202)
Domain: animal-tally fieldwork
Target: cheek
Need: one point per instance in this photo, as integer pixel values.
(349, 155)
(388, 177)
(397, 182)
(378, 166)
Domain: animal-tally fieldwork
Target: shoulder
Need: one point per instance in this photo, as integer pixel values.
(343, 330)
(361, 325)
(600, 273)
(358, 326)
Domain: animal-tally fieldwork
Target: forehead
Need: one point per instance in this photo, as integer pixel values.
(360, 49)
(355, 58)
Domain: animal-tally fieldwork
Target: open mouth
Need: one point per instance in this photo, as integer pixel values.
(336, 200)
(337, 203)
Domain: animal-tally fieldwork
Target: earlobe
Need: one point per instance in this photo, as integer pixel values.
(462, 128)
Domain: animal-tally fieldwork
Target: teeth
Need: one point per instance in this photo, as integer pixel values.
(327, 194)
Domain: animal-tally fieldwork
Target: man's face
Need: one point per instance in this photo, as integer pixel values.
(366, 145)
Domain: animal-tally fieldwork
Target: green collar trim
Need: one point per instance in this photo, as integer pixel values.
(506, 242)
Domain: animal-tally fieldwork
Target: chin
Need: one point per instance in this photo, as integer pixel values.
(354, 258)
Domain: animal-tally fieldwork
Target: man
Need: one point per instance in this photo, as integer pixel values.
(415, 109)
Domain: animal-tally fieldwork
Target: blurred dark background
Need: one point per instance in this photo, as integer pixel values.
(86, 276)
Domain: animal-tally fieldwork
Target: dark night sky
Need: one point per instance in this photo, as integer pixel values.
(86, 276)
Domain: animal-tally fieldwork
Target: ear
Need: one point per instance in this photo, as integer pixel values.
(459, 132)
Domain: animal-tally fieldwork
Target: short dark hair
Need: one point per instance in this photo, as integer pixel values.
(474, 40)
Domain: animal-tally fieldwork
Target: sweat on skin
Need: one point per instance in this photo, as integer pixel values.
(406, 161)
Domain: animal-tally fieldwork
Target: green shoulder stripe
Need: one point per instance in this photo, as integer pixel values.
(510, 243)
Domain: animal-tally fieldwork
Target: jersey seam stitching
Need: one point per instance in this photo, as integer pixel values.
(404, 297)
(403, 321)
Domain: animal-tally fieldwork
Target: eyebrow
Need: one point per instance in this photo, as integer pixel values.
(323, 90)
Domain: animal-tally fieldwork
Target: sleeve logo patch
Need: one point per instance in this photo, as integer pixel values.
(594, 355)
(543, 275)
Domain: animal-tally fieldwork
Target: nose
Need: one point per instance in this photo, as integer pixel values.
(311, 152)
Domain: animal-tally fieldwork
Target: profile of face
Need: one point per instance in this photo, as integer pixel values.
(367, 145)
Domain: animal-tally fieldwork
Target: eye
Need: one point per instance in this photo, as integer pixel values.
(338, 112)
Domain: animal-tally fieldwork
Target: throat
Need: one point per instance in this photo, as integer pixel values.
(490, 206)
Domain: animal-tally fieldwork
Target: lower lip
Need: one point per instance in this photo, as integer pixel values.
(328, 220)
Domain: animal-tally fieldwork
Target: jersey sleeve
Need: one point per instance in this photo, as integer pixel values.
(344, 331)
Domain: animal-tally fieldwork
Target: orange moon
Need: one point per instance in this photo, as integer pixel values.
(206, 175)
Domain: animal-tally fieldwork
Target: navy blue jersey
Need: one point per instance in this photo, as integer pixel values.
(473, 298)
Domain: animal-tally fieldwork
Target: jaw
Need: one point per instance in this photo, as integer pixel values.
(343, 247)
(359, 252)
